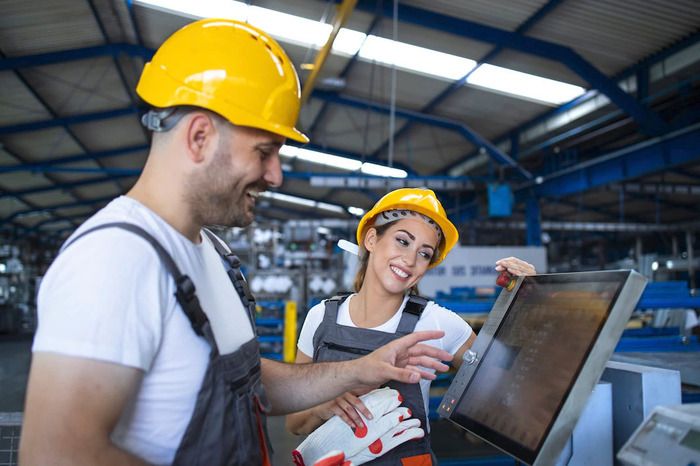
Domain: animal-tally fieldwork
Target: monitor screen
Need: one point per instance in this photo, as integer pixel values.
(536, 353)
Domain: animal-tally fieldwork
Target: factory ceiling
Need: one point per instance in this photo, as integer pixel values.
(586, 111)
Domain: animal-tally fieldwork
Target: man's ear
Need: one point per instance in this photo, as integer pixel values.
(370, 240)
(201, 134)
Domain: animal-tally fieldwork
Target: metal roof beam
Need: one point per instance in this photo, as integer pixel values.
(648, 121)
(634, 228)
(362, 182)
(440, 122)
(638, 160)
(644, 65)
(88, 156)
(430, 107)
(67, 121)
(51, 58)
(659, 188)
(50, 109)
(63, 186)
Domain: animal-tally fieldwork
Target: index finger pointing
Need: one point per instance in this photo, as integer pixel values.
(423, 335)
(430, 351)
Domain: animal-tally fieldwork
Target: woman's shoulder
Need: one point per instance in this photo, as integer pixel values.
(431, 307)
(441, 317)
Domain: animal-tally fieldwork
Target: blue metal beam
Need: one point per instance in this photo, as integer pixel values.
(50, 58)
(534, 222)
(356, 181)
(440, 122)
(641, 159)
(51, 111)
(90, 170)
(633, 70)
(63, 186)
(678, 122)
(67, 121)
(29, 166)
(430, 107)
(648, 121)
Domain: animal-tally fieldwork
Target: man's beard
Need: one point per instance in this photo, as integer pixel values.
(215, 196)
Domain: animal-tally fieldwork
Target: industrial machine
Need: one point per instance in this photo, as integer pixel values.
(669, 436)
(529, 374)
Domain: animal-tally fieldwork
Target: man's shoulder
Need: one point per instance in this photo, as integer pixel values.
(103, 235)
(95, 255)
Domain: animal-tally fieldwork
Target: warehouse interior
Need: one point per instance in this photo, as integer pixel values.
(563, 132)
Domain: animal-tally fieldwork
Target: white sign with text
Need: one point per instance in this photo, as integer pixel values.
(475, 266)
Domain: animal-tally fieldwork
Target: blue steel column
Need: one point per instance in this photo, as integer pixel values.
(534, 221)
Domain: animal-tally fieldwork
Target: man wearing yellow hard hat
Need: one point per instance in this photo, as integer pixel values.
(145, 352)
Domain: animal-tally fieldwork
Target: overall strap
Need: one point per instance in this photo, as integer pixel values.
(185, 289)
(330, 316)
(411, 314)
(233, 270)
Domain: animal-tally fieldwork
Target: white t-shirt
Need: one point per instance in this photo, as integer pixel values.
(109, 297)
(434, 317)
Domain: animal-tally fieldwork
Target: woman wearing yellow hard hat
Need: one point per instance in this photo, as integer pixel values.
(406, 233)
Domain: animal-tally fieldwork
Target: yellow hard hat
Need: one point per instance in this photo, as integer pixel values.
(230, 68)
(421, 200)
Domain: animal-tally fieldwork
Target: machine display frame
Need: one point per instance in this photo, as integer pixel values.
(562, 420)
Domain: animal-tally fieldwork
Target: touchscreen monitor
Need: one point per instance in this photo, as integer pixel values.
(539, 341)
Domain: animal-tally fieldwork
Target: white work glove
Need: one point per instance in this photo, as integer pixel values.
(405, 431)
(335, 434)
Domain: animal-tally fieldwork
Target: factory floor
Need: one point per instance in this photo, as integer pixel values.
(15, 356)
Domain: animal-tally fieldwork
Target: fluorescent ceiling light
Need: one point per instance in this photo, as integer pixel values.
(414, 58)
(322, 158)
(303, 201)
(342, 163)
(356, 211)
(201, 9)
(380, 170)
(348, 42)
(296, 29)
(524, 84)
(310, 33)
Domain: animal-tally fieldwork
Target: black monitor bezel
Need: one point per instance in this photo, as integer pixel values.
(503, 442)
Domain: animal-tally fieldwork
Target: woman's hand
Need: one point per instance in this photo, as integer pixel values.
(515, 266)
(346, 406)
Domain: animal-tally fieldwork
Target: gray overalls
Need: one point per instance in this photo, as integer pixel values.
(334, 342)
(228, 423)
